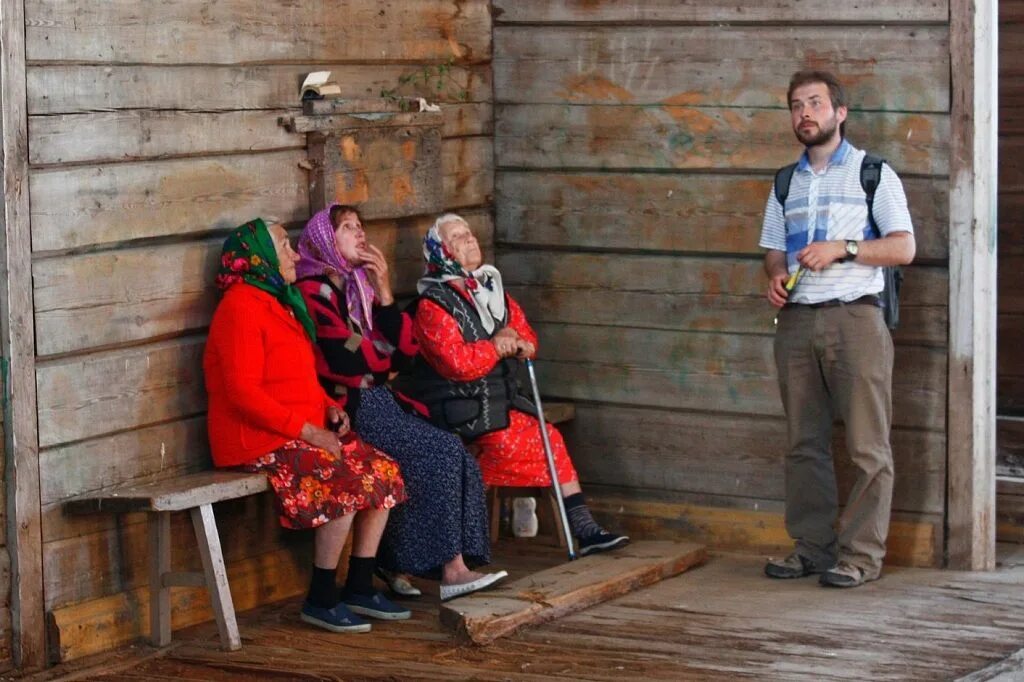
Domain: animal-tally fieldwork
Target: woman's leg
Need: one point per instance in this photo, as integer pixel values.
(571, 488)
(359, 594)
(328, 541)
(456, 572)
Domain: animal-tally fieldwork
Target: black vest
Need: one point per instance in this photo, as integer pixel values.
(469, 408)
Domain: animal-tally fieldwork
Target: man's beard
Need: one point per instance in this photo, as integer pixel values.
(822, 136)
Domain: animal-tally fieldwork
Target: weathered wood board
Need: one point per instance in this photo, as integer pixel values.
(705, 453)
(745, 524)
(666, 137)
(686, 293)
(388, 171)
(100, 299)
(672, 11)
(107, 622)
(683, 65)
(239, 32)
(555, 592)
(680, 212)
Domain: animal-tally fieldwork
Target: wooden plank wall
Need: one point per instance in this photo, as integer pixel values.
(1010, 321)
(634, 147)
(5, 567)
(153, 129)
(1010, 354)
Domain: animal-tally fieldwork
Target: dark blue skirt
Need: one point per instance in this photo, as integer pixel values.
(445, 513)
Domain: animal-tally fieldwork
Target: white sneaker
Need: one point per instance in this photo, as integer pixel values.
(524, 517)
(452, 591)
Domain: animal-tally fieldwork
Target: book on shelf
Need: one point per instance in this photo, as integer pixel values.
(318, 85)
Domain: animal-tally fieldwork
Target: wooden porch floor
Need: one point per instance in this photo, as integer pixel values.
(722, 621)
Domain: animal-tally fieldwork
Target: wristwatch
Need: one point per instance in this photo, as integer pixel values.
(852, 248)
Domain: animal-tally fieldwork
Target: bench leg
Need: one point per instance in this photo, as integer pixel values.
(216, 576)
(159, 563)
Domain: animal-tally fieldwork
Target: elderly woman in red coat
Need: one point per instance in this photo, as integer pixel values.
(268, 413)
(472, 335)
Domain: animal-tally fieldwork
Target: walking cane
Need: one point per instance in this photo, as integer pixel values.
(551, 459)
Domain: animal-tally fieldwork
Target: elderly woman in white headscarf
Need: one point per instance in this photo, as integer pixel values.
(472, 335)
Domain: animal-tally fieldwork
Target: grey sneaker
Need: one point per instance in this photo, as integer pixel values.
(793, 566)
(845, 574)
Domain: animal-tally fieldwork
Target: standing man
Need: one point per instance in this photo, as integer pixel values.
(833, 351)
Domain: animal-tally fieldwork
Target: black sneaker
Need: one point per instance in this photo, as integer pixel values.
(793, 566)
(602, 541)
(376, 605)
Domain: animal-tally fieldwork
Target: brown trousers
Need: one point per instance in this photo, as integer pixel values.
(837, 362)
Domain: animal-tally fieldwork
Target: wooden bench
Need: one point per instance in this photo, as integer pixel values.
(195, 493)
(547, 515)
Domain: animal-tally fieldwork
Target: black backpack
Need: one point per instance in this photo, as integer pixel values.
(870, 176)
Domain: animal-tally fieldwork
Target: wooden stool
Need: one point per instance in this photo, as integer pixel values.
(554, 413)
(196, 494)
(547, 515)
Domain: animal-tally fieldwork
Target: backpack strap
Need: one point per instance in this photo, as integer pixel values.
(782, 179)
(870, 176)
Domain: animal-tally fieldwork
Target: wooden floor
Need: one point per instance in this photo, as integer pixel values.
(721, 621)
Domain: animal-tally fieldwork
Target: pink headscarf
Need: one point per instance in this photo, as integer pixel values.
(319, 256)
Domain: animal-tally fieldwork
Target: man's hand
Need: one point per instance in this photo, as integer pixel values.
(817, 256)
(777, 294)
(321, 438)
(337, 420)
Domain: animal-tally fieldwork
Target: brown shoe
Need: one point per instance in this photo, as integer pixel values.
(845, 574)
(793, 566)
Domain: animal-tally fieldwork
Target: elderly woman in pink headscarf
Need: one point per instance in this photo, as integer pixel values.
(362, 340)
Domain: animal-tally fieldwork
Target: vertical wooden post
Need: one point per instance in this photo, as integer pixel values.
(972, 285)
(159, 565)
(18, 340)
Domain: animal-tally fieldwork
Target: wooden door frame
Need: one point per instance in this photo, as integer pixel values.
(971, 390)
(24, 536)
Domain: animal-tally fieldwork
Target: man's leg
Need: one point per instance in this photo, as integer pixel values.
(810, 476)
(858, 367)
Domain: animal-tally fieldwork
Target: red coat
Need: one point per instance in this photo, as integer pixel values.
(260, 377)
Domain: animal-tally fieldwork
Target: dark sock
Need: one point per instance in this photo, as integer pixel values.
(581, 521)
(360, 575)
(323, 592)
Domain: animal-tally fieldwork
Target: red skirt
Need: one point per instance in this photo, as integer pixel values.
(314, 487)
(515, 456)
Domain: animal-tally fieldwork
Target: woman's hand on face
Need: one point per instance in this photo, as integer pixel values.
(321, 438)
(380, 276)
(338, 421)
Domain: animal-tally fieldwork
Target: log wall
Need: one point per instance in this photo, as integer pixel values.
(153, 129)
(635, 144)
(5, 566)
(1010, 387)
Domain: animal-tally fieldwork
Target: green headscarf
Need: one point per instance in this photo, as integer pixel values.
(249, 256)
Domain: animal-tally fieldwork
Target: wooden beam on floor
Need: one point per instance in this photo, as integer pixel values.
(567, 588)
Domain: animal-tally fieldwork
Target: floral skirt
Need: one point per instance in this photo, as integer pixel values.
(515, 456)
(314, 487)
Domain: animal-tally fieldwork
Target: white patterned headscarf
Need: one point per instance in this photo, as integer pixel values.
(484, 283)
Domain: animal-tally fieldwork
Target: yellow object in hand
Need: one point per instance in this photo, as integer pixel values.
(793, 279)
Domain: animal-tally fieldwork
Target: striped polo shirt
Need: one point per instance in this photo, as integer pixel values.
(831, 205)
